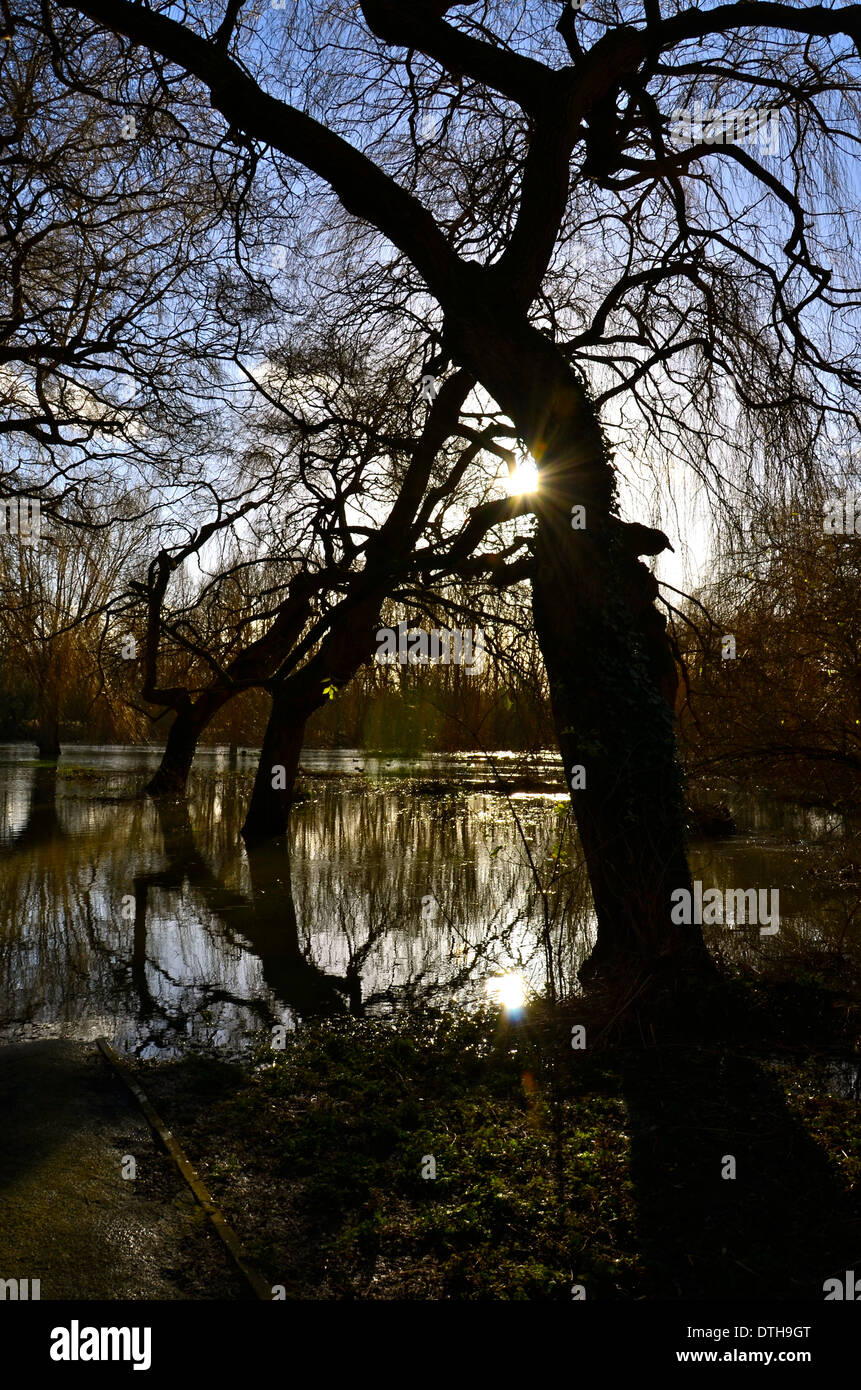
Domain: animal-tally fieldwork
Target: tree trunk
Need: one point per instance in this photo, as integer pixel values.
(272, 797)
(171, 777)
(48, 741)
(605, 648)
(48, 724)
(349, 643)
(172, 774)
(610, 671)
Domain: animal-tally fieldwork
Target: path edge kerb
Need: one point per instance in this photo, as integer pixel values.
(202, 1195)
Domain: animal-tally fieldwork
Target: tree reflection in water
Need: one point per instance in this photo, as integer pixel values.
(151, 924)
(154, 926)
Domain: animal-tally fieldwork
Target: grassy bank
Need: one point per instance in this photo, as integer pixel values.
(554, 1167)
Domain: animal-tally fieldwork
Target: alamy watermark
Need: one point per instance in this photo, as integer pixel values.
(733, 126)
(415, 647)
(736, 907)
(22, 517)
(430, 390)
(23, 1290)
(847, 1289)
(842, 515)
(76, 1343)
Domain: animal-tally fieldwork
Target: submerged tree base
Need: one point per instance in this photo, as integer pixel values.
(167, 784)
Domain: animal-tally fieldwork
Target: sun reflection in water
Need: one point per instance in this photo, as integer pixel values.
(509, 991)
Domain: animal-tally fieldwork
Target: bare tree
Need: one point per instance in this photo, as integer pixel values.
(122, 311)
(55, 594)
(550, 124)
(773, 651)
(365, 499)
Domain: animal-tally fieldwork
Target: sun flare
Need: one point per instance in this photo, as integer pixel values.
(524, 478)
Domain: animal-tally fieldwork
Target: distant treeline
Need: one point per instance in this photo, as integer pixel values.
(773, 661)
(770, 653)
(438, 708)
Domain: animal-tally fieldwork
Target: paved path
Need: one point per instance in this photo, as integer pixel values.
(67, 1216)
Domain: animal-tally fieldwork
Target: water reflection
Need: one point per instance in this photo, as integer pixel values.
(152, 924)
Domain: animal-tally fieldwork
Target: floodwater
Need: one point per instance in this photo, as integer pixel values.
(410, 883)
